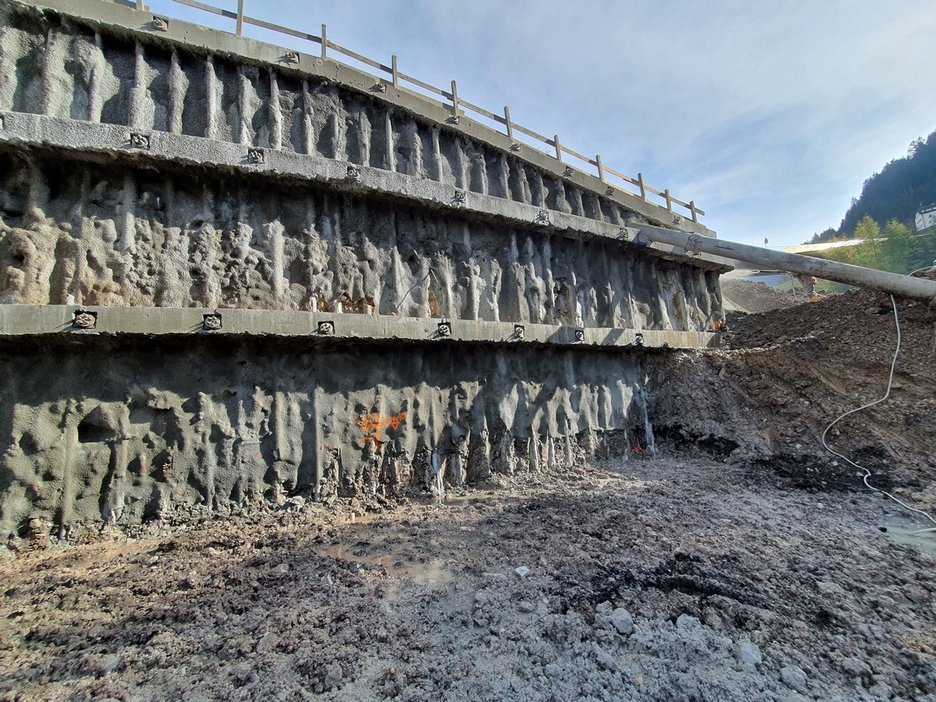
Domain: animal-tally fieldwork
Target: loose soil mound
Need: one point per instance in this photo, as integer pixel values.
(747, 297)
(790, 372)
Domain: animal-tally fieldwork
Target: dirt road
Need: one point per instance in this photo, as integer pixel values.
(649, 579)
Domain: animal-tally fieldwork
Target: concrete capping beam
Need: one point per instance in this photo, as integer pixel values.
(93, 141)
(77, 320)
(121, 20)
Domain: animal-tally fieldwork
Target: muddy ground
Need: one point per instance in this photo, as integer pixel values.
(739, 563)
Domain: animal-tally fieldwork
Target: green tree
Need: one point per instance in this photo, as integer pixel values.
(867, 229)
(900, 189)
(898, 246)
(868, 253)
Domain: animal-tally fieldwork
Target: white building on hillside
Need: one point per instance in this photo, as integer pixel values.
(926, 218)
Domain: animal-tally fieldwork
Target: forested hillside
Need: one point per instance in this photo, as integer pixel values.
(884, 214)
(897, 192)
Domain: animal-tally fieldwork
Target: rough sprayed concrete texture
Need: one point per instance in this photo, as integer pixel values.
(119, 431)
(119, 80)
(122, 435)
(107, 235)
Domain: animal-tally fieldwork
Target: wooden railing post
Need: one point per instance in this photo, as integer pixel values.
(643, 189)
(669, 200)
(240, 18)
(601, 176)
(394, 71)
(324, 42)
(507, 123)
(454, 100)
(693, 212)
(558, 147)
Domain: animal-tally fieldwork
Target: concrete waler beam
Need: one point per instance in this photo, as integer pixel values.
(90, 141)
(75, 320)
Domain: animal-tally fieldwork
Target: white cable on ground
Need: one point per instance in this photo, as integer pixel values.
(867, 473)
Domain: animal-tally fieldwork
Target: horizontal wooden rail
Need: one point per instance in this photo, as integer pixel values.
(457, 104)
(360, 57)
(263, 24)
(481, 111)
(425, 86)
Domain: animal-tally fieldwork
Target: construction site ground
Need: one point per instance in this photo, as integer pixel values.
(740, 562)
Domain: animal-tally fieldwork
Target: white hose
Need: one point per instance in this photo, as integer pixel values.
(867, 473)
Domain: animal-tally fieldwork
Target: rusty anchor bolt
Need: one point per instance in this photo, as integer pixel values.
(211, 322)
(519, 332)
(580, 335)
(638, 339)
(255, 155)
(542, 217)
(159, 24)
(139, 141)
(84, 319)
(354, 172)
(445, 330)
(326, 328)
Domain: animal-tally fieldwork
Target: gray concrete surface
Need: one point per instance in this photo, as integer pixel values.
(75, 139)
(99, 429)
(180, 213)
(117, 235)
(192, 80)
(32, 320)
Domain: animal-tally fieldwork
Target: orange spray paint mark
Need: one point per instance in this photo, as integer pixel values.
(374, 424)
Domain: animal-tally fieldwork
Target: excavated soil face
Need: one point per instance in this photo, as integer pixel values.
(789, 373)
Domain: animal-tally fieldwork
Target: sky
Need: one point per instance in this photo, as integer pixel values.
(770, 114)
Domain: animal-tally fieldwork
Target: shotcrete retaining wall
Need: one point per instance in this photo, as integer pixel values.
(223, 280)
(102, 63)
(113, 431)
(111, 235)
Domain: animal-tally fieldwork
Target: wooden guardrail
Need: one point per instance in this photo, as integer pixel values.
(457, 104)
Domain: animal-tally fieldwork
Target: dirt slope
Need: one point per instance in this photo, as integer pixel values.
(790, 372)
(747, 297)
